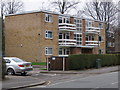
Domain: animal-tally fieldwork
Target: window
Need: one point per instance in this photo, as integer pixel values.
(67, 35)
(64, 51)
(7, 61)
(48, 18)
(100, 25)
(67, 20)
(48, 51)
(60, 19)
(64, 35)
(60, 51)
(64, 19)
(75, 21)
(101, 51)
(90, 24)
(111, 34)
(17, 60)
(111, 44)
(48, 34)
(89, 38)
(67, 51)
(78, 23)
(78, 37)
(60, 35)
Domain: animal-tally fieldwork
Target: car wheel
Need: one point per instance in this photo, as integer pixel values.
(10, 71)
(23, 73)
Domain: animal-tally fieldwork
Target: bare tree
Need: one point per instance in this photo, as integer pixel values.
(45, 6)
(64, 6)
(11, 6)
(103, 11)
(119, 14)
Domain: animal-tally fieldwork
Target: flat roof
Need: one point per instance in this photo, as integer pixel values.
(50, 12)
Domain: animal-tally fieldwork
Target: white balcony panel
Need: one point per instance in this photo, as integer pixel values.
(63, 55)
(92, 41)
(97, 28)
(67, 24)
(85, 46)
(68, 30)
(67, 42)
(92, 44)
(65, 27)
(92, 31)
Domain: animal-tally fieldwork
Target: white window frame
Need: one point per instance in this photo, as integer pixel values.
(89, 23)
(46, 34)
(48, 18)
(100, 25)
(78, 23)
(64, 49)
(78, 36)
(65, 18)
(66, 34)
(90, 37)
(111, 44)
(46, 51)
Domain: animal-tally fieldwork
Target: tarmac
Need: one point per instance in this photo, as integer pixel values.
(14, 82)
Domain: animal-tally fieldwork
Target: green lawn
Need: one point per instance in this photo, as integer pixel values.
(39, 63)
(43, 68)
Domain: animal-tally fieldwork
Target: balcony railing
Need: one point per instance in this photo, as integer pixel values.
(91, 43)
(63, 55)
(67, 42)
(93, 30)
(67, 27)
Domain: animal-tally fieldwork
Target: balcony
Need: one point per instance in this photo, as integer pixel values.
(67, 27)
(92, 30)
(91, 43)
(67, 42)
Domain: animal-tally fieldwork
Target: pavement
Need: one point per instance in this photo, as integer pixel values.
(87, 71)
(13, 82)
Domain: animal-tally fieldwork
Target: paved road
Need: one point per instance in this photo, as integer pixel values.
(56, 79)
(108, 80)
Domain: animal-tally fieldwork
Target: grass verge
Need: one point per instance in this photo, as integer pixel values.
(39, 63)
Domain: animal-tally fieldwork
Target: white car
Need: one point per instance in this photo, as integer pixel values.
(16, 65)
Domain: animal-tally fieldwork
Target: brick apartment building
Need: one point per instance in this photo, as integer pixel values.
(34, 36)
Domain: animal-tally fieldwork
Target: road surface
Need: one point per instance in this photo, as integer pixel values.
(108, 80)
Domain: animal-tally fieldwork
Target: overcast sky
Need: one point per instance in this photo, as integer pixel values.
(31, 5)
(37, 4)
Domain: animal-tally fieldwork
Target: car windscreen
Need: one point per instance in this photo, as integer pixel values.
(18, 60)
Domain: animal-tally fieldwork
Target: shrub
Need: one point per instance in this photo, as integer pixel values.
(85, 61)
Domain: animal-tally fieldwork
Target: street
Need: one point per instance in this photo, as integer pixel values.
(108, 80)
(106, 77)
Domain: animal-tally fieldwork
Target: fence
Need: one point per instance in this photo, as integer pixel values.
(59, 63)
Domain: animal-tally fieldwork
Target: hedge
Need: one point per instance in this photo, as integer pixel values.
(86, 61)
